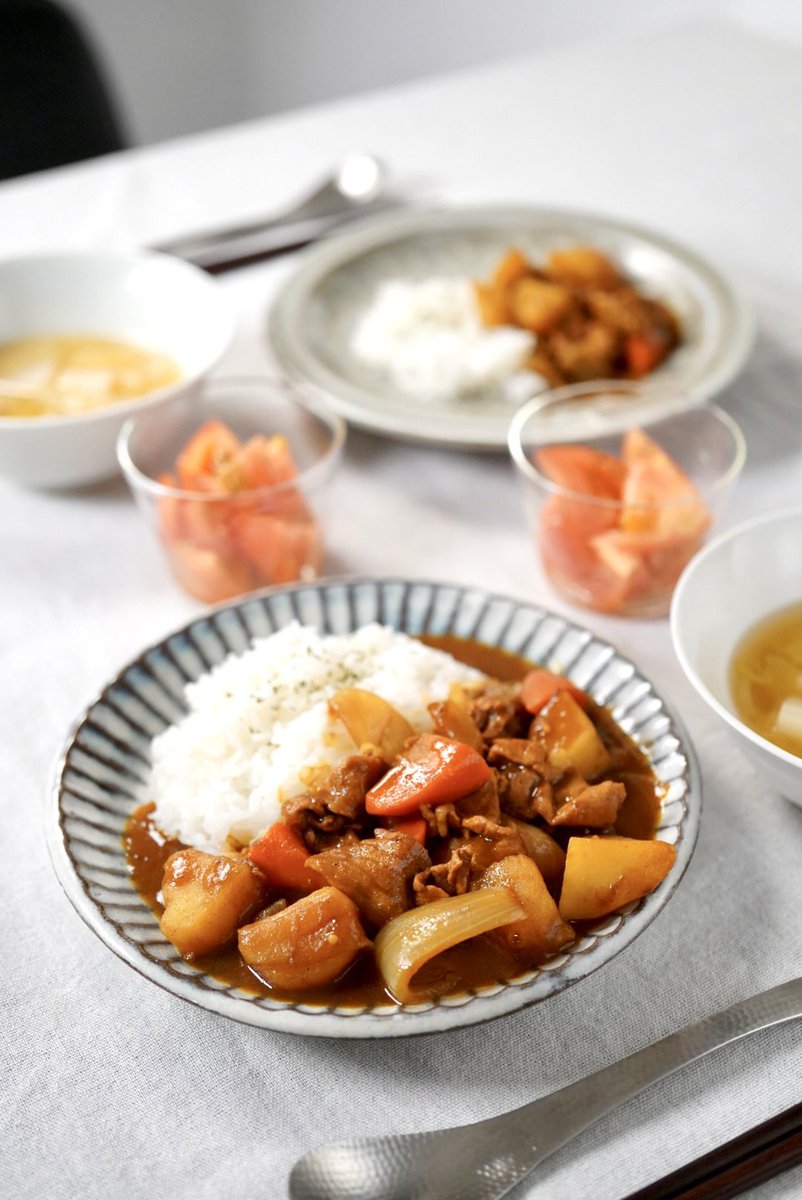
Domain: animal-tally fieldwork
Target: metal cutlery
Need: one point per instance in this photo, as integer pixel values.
(483, 1161)
(359, 185)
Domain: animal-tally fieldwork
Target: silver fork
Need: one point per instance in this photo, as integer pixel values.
(485, 1160)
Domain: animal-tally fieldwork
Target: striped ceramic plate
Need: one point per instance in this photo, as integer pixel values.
(102, 775)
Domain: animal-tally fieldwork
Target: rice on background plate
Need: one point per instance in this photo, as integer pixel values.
(428, 336)
(259, 721)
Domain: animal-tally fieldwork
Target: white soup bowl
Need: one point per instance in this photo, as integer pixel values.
(150, 300)
(737, 580)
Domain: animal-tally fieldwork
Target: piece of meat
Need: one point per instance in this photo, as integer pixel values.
(526, 752)
(337, 806)
(490, 841)
(446, 819)
(498, 712)
(591, 354)
(441, 819)
(375, 873)
(348, 783)
(451, 878)
(306, 945)
(580, 803)
(482, 803)
(521, 791)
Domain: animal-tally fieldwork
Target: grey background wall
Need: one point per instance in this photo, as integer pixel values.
(184, 65)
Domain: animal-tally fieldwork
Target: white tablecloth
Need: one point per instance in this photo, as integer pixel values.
(113, 1088)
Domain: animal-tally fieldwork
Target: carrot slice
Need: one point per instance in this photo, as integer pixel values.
(414, 827)
(432, 770)
(281, 856)
(538, 687)
(643, 352)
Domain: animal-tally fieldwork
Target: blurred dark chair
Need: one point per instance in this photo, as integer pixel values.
(55, 105)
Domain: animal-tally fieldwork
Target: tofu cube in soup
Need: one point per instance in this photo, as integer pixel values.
(570, 737)
(602, 874)
(306, 945)
(206, 898)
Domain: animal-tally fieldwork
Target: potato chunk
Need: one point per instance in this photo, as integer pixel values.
(542, 931)
(583, 266)
(373, 723)
(538, 305)
(308, 944)
(547, 855)
(206, 897)
(571, 738)
(603, 874)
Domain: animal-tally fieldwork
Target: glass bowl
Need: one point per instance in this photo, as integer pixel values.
(618, 511)
(231, 481)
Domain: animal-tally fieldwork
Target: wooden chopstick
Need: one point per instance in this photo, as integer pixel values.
(746, 1161)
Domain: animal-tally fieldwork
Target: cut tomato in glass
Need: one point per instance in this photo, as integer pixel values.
(208, 575)
(265, 461)
(170, 509)
(278, 548)
(582, 469)
(205, 456)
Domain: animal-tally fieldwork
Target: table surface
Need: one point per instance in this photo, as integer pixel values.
(112, 1087)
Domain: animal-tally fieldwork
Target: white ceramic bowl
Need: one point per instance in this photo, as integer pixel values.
(150, 299)
(741, 577)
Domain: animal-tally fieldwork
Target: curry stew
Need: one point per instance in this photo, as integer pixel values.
(328, 910)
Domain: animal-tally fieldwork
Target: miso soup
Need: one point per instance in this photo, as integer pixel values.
(65, 375)
(766, 679)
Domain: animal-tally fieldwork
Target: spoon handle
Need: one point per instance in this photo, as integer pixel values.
(484, 1161)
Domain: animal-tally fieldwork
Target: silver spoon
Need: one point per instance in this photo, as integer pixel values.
(485, 1160)
(358, 185)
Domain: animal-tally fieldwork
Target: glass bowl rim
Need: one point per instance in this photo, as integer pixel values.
(531, 473)
(301, 396)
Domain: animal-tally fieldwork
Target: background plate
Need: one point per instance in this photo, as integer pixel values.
(314, 314)
(102, 775)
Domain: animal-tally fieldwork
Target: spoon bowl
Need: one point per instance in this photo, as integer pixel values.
(485, 1160)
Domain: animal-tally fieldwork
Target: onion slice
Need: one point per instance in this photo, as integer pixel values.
(410, 940)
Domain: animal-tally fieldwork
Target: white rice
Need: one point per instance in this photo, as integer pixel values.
(259, 721)
(427, 335)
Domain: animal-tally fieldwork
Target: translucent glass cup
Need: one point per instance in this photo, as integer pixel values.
(616, 516)
(234, 520)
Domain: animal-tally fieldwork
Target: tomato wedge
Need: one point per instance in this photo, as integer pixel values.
(432, 770)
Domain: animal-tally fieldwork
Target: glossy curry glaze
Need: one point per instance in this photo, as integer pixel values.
(474, 964)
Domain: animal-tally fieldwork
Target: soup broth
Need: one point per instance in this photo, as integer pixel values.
(65, 375)
(766, 679)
